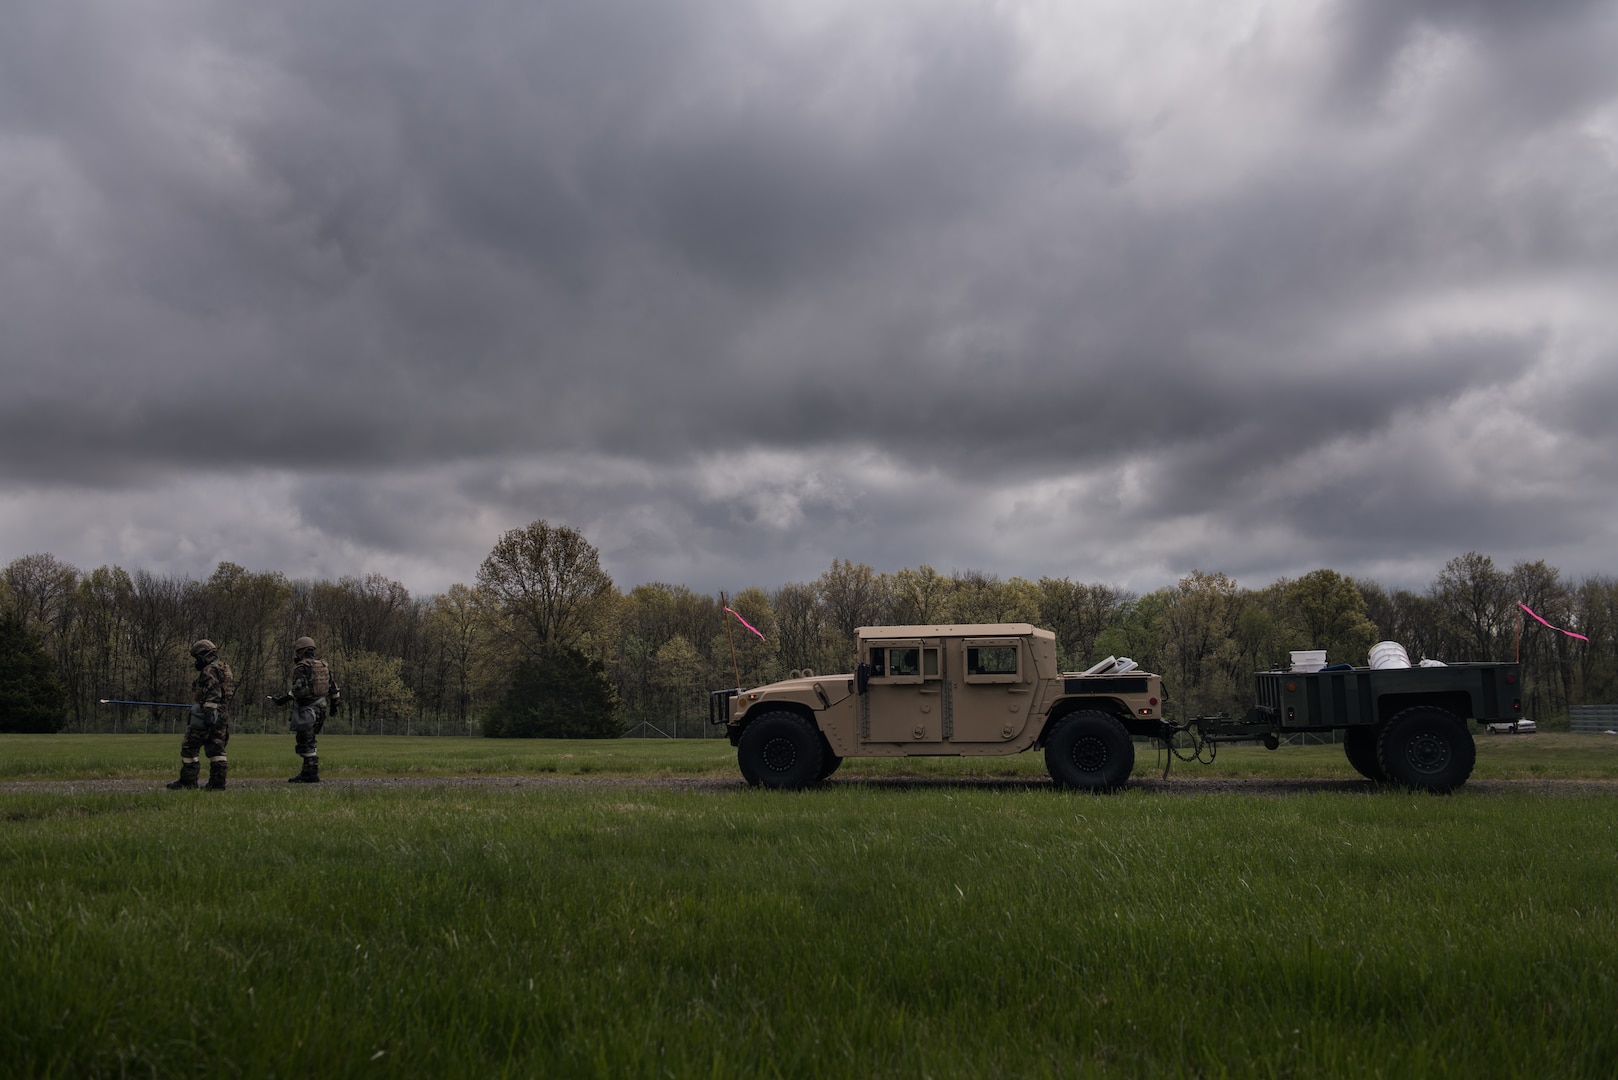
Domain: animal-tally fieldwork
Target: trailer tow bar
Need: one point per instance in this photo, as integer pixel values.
(1203, 734)
(1200, 748)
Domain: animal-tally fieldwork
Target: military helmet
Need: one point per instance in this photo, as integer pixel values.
(303, 643)
(202, 647)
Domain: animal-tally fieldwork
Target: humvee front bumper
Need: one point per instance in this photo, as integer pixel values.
(719, 704)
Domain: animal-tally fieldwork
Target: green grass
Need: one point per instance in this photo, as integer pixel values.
(943, 931)
(90, 757)
(850, 931)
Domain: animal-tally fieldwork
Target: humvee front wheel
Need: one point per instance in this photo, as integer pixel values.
(829, 760)
(1427, 748)
(781, 750)
(1090, 750)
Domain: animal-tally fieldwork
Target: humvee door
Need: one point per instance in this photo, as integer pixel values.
(903, 701)
(994, 691)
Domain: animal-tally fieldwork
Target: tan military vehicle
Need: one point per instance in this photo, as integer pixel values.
(984, 690)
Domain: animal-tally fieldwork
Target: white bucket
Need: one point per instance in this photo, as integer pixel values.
(1308, 659)
(1389, 654)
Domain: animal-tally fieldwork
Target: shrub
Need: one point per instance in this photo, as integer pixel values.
(31, 695)
(559, 694)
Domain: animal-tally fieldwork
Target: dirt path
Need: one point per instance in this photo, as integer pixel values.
(1172, 786)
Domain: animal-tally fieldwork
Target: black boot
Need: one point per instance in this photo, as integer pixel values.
(216, 775)
(188, 776)
(310, 773)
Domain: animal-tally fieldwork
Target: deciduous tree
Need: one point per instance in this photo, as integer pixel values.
(544, 586)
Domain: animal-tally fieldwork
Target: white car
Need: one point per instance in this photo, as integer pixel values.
(1513, 727)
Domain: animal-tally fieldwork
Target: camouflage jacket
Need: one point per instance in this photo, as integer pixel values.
(209, 687)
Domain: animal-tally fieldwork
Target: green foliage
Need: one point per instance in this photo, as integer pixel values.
(31, 695)
(374, 692)
(544, 589)
(556, 694)
(1328, 612)
(441, 661)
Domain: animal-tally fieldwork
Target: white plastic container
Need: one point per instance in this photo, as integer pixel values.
(1308, 659)
(1112, 665)
(1389, 654)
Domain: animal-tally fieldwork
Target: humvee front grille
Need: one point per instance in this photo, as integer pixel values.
(719, 704)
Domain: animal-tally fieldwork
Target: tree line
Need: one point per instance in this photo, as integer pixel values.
(544, 643)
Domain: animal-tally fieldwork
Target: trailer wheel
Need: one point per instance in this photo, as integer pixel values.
(1090, 750)
(781, 750)
(1426, 748)
(1359, 744)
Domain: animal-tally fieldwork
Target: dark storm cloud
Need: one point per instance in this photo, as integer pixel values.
(753, 286)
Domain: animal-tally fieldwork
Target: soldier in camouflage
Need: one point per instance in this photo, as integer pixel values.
(313, 694)
(208, 729)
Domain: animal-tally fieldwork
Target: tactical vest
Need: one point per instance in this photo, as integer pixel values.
(319, 677)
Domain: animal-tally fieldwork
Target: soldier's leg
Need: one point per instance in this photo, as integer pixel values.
(214, 747)
(303, 732)
(311, 757)
(190, 747)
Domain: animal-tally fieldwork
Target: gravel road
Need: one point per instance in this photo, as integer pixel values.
(1175, 785)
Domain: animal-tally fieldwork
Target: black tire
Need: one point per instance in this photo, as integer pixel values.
(1091, 751)
(1359, 744)
(829, 760)
(1426, 748)
(781, 750)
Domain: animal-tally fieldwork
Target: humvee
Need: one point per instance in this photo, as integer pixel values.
(981, 690)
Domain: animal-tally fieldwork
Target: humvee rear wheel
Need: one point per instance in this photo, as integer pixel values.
(1359, 746)
(781, 750)
(1427, 748)
(1090, 750)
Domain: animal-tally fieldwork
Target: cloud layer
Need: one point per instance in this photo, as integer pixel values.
(1105, 290)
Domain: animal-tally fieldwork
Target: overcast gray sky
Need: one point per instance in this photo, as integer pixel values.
(1106, 290)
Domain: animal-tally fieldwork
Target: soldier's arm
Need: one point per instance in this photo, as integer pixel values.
(303, 678)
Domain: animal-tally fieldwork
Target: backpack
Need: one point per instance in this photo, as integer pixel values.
(319, 678)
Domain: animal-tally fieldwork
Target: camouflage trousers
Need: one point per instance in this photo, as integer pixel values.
(307, 720)
(207, 733)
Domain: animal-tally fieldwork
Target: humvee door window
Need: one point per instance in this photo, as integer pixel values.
(991, 661)
(901, 662)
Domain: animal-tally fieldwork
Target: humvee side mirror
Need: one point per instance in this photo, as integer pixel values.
(862, 678)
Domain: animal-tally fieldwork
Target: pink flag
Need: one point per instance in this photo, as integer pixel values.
(745, 623)
(1558, 629)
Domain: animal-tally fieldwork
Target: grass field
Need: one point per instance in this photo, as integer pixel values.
(635, 929)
